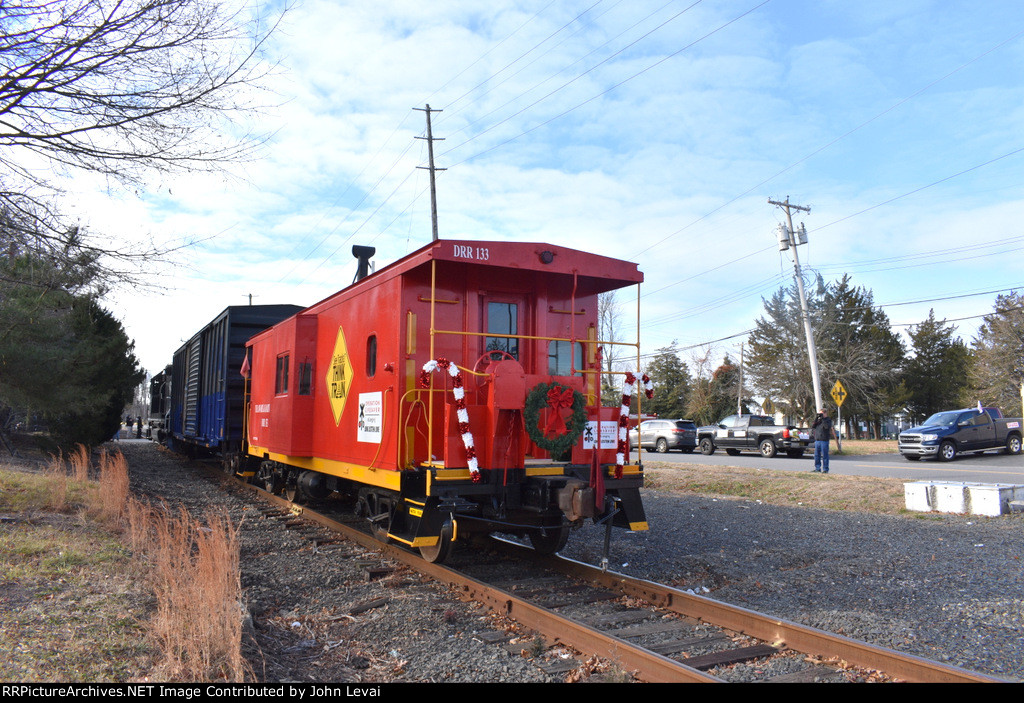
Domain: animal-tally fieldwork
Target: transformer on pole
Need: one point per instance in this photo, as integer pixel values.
(790, 237)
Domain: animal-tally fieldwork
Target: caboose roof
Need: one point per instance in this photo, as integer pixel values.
(601, 273)
(526, 256)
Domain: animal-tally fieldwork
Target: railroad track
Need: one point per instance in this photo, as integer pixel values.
(655, 632)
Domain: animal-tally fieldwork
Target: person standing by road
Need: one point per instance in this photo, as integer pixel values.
(822, 432)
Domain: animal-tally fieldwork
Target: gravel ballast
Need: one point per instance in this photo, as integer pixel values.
(945, 587)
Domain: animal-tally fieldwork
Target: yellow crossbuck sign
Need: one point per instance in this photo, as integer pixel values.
(838, 393)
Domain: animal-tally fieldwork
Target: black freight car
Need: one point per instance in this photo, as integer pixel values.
(206, 386)
(159, 404)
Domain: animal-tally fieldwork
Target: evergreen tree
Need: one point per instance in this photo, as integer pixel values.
(103, 373)
(119, 90)
(998, 351)
(854, 344)
(62, 357)
(777, 363)
(671, 381)
(725, 390)
(859, 348)
(936, 377)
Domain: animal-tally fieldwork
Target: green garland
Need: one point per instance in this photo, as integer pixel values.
(538, 399)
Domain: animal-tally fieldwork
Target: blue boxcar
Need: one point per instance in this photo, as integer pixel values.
(206, 386)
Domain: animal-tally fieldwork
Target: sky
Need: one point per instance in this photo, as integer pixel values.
(651, 131)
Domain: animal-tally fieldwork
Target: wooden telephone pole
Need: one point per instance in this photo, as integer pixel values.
(430, 150)
(789, 237)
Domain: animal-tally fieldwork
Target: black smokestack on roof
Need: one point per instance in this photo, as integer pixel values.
(363, 254)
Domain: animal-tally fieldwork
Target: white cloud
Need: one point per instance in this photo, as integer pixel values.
(672, 168)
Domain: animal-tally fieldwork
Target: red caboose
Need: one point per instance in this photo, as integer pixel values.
(458, 391)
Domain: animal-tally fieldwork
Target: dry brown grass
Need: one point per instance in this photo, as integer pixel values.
(792, 488)
(802, 488)
(191, 566)
(854, 447)
(196, 581)
(80, 461)
(113, 487)
(57, 492)
(72, 609)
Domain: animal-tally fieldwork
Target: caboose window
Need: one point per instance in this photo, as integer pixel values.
(502, 318)
(559, 353)
(281, 383)
(371, 356)
(306, 378)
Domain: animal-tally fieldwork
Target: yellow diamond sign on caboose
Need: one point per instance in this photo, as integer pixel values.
(339, 377)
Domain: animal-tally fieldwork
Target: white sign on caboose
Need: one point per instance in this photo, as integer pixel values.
(371, 417)
(609, 434)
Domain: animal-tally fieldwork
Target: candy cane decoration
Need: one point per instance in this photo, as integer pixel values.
(460, 408)
(627, 395)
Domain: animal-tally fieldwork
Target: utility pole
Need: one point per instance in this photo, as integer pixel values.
(430, 151)
(739, 392)
(789, 237)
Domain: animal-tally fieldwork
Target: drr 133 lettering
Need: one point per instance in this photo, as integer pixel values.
(464, 252)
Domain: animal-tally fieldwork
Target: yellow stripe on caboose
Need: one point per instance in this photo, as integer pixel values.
(382, 478)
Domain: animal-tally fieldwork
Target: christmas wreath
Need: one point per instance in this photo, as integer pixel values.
(555, 397)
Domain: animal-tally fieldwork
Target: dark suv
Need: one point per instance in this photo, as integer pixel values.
(663, 435)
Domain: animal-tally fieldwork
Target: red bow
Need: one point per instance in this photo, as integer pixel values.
(558, 399)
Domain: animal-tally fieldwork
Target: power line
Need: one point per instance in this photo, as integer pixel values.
(883, 306)
(560, 71)
(846, 134)
(813, 153)
(662, 60)
(490, 80)
(603, 92)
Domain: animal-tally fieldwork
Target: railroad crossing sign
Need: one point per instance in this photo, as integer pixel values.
(838, 393)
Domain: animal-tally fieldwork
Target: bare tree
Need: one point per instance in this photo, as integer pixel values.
(119, 88)
(608, 334)
(700, 402)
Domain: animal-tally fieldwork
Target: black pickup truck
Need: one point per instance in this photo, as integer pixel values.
(757, 433)
(946, 434)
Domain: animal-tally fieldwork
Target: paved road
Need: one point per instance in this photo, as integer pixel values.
(989, 467)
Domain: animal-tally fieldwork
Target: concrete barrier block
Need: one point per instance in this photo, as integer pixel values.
(950, 497)
(963, 498)
(993, 498)
(918, 496)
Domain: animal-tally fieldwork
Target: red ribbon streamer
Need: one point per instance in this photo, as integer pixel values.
(557, 400)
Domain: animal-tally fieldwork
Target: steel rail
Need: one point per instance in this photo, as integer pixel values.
(782, 633)
(650, 666)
